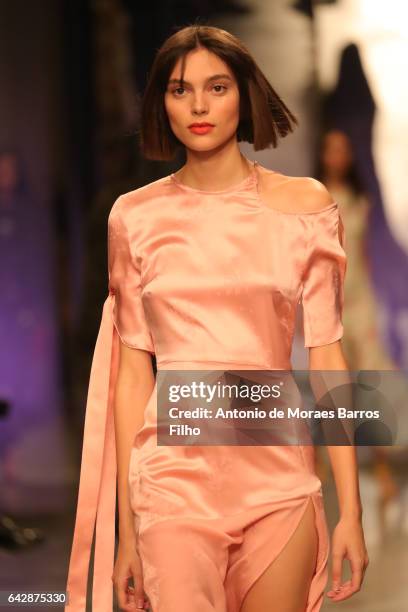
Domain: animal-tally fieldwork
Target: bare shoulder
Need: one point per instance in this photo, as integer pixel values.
(294, 194)
(311, 194)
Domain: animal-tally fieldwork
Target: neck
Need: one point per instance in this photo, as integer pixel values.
(214, 170)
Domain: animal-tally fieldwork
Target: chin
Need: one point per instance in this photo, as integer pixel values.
(204, 147)
(206, 144)
(201, 146)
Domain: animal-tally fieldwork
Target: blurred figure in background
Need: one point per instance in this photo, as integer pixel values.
(362, 344)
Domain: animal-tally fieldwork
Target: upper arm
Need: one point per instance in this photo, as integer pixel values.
(129, 319)
(130, 324)
(324, 269)
(125, 285)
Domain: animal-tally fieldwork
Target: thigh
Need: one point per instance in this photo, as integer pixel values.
(284, 585)
(183, 567)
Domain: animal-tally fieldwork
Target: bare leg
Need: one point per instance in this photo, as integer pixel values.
(284, 585)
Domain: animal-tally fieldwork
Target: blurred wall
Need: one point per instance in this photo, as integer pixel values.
(32, 125)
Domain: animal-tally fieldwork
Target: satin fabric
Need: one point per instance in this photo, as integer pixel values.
(205, 280)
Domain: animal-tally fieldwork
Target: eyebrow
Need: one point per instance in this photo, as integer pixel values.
(214, 77)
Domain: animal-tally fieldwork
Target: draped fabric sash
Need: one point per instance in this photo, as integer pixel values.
(97, 486)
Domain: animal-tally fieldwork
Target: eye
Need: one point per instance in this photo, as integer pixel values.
(219, 90)
(176, 91)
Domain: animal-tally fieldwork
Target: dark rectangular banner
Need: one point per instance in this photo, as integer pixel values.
(282, 407)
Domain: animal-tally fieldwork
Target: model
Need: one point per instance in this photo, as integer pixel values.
(206, 268)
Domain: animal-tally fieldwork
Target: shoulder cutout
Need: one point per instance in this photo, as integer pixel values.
(312, 195)
(294, 194)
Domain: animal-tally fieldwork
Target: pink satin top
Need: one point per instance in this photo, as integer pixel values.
(197, 277)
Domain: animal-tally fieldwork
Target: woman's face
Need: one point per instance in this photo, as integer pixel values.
(336, 153)
(209, 95)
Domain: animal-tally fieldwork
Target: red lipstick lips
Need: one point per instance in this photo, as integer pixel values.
(200, 128)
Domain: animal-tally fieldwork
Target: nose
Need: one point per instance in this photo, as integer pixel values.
(199, 105)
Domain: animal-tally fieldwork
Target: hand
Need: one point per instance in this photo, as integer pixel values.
(128, 565)
(348, 541)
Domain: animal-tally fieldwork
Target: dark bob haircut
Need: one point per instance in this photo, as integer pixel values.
(264, 117)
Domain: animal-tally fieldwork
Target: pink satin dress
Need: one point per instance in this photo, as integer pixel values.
(205, 280)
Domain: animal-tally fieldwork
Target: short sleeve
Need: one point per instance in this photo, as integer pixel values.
(323, 278)
(125, 286)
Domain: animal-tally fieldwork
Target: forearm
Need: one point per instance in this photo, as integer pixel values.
(344, 465)
(130, 400)
(343, 459)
